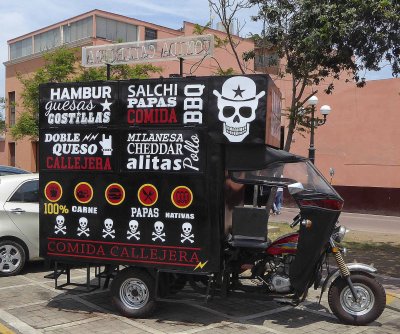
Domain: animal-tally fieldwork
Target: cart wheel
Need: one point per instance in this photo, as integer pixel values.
(132, 293)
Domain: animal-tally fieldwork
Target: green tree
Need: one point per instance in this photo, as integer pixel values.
(321, 40)
(61, 66)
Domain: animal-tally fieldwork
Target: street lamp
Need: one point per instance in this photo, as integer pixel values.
(313, 122)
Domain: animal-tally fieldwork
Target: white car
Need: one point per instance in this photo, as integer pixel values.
(19, 222)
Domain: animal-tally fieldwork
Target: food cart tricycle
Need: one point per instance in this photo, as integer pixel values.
(147, 178)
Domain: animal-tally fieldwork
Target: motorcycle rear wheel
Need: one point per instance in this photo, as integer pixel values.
(371, 303)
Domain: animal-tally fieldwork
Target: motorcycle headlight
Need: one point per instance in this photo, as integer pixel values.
(339, 233)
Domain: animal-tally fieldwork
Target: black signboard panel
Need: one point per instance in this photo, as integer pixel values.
(84, 150)
(78, 105)
(164, 102)
(232, 108)
(173, 150)
(237, 109)
(132, 172)
(145, 220)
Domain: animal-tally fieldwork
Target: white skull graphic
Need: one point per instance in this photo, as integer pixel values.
(237, 106)
(186, 228)
(158, 227)
(108, 224)
(83, 222)
(60, 220)
(133, 225)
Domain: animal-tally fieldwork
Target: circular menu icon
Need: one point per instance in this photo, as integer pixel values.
(53, 191)
(182, 197)
(115, 194)
(147, 194)
(83, 192)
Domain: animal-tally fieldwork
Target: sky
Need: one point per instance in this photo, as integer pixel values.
(23, 16)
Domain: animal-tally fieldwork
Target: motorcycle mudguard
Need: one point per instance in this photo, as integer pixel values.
(360, 267)
(312, 243)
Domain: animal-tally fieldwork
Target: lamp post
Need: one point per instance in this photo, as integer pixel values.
(313, 122)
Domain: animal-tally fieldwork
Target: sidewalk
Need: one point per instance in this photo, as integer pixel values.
(30, 304)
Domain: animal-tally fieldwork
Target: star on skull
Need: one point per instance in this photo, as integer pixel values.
(238, 91)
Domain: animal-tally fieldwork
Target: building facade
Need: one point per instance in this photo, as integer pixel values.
(359, 140)
(93, 28)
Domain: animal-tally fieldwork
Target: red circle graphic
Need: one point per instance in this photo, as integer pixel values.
(115, 194)
(53, 191)
(83, 192)
(182, 197)
(147, 194)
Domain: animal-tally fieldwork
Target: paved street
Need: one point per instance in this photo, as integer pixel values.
(30, 304)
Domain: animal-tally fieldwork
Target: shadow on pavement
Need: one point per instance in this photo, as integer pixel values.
(182, 311)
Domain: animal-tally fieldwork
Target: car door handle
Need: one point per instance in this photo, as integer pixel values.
(17, 211)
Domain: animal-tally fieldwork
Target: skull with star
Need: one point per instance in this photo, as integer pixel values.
(237, 104)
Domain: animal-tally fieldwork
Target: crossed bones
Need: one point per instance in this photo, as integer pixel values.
(83, 231)
(135, 235)
(108, 233)
(158, 236)
(188, 238)
(130, 234)
(61, 229)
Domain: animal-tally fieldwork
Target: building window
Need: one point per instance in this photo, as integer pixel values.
(150, 34)
(11, 108)
(78, 30)
(11, 148)
(47, 40)
(21, 48)
(269, 60)
(267, 63)
(115, 30)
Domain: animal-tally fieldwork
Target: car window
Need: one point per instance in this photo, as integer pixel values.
(28, 192)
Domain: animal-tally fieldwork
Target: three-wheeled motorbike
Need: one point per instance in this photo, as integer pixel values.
(293, 263)
(287, 267)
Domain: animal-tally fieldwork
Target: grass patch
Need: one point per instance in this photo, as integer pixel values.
(383, 256)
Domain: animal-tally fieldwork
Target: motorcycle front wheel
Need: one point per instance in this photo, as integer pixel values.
(369, 306)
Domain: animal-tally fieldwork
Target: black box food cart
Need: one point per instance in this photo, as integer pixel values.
(150, 175)
(133, 172)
